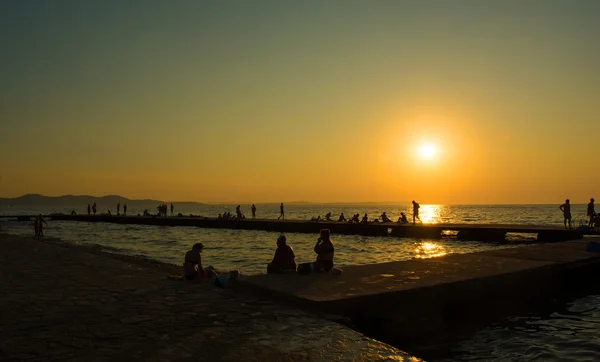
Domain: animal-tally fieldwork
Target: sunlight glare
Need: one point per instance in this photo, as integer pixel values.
(427, 151)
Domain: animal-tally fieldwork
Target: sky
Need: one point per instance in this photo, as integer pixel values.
(445, 102)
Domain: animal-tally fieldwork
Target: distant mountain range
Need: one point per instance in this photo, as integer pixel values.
(70, 200)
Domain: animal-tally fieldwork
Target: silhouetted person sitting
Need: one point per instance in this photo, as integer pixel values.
(192, 265)
(384, 217)
(284, 260)
(328, 216)
(73, 212)
(365, 219)
(325, 250)
(403, 219)
(318, 218)
(342, 218)
(566, 209)
(355, 219)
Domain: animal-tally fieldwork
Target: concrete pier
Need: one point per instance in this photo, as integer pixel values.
(423, 297)
(480, 232)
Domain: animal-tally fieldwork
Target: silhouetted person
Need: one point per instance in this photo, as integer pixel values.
(342, 218)
(284, 260)
(238, 212)
(172, 210)
(253, 211)
(403, 219)
(355, 219)
(566, 209)
(416, 208)
(192, 265)
(39, 220)
(73, 212)
(125, 209)
(365, 219)
(325, 250)
(328, 216)
(591, 212)
(282, 214)
(385, 218)
(118, 208)
(89, 209)
(94, 208)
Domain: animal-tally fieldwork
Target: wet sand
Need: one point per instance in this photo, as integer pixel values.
(65, 302)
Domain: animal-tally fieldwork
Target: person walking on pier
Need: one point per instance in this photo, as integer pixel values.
(125, 209)
(94, 208)
(282, 214)
(591, 212)
(172, 210)
(416, 208)
(118, 208)
(566, 209)
(89, 209)
(253, 211)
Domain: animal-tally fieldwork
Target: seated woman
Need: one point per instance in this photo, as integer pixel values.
(342, 218)
(402, 219)
(284, 259)
(385, 218)
(365, 219)
(325, 251)
(192, 265)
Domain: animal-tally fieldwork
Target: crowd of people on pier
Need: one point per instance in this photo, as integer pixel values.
(284, 260)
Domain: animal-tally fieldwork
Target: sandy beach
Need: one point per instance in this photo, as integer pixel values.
(65, 302)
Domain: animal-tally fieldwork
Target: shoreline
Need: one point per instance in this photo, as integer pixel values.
(70, 301)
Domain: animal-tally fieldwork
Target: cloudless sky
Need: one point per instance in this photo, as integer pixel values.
(267, 101)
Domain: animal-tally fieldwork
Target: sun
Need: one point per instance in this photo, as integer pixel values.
(427, 151)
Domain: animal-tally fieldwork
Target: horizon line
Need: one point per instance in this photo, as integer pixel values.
(284, 202)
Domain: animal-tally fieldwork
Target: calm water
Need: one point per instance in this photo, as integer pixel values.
(568, 332)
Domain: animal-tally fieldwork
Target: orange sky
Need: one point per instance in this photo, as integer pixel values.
(286, 101)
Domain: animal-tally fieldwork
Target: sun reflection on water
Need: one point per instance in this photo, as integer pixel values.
(431, 214)
(429, 249)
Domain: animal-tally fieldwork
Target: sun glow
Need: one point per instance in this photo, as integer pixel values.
(427, 151)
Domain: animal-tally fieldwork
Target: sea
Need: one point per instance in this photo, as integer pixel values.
(565, 330)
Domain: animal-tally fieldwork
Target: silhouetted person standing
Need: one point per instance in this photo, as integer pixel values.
(125, 209)
(118, 208)
(282, 214)
(566, 209)
(89, 209)
(416, 208)
(591, 212)
(40, 225)
(253, 211)
(172, 210)
(94, 208)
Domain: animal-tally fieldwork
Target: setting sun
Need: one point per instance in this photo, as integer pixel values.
(427, 151)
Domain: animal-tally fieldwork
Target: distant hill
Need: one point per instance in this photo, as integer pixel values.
(71, 200)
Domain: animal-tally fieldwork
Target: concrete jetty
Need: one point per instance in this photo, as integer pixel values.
(480, 232)
(419, 298)
(73, 303)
